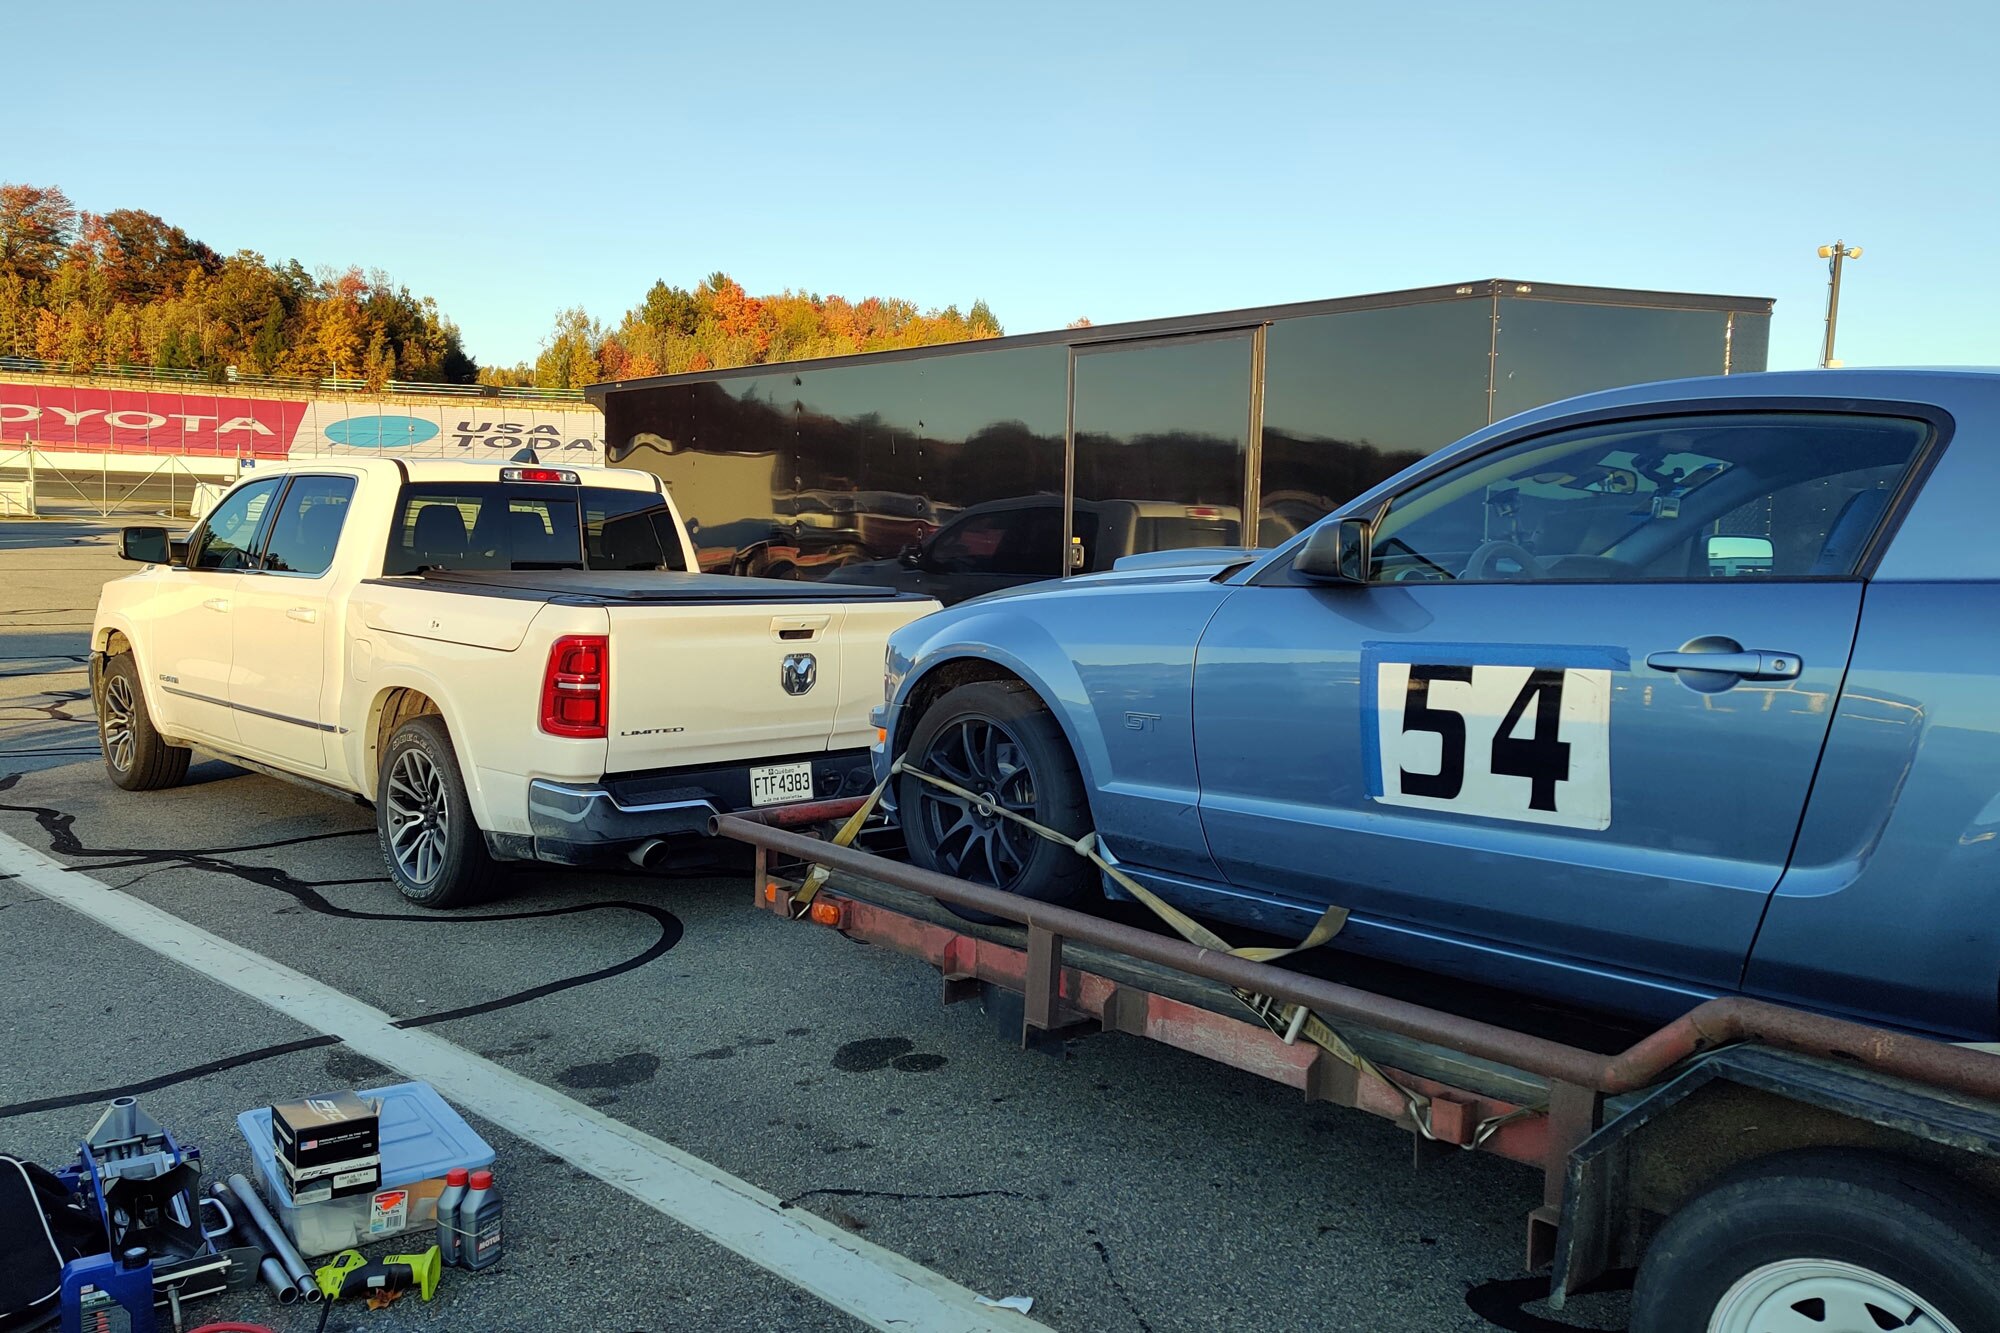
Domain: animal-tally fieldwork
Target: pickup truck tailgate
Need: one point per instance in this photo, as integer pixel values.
(707, 669)
(704, 684)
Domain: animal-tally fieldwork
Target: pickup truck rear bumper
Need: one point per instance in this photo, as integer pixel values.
(620, 818)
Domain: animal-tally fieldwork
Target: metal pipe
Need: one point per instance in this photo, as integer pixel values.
(270, 1270)
(804, 812)
(278, 1280)
(275, 1239)
(1715, 1023)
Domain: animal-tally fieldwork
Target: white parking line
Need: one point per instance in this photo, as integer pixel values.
(877, 1286)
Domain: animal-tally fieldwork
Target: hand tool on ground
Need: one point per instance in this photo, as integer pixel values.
(351, 1274)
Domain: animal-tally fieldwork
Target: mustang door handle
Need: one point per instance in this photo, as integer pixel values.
(217, 603)
(304, 613)
(1755, 664)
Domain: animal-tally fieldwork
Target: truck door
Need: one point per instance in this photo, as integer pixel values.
(284, 615)
(192, 622)
(1563, 734)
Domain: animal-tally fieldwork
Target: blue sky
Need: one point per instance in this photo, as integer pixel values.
(1111, 160)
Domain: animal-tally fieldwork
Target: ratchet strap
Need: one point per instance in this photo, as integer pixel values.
(1289, 1021)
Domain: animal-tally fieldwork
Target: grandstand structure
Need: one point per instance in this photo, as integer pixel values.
(147, 440)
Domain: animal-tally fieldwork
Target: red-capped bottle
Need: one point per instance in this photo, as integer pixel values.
(479, 1223)
(447, 1219)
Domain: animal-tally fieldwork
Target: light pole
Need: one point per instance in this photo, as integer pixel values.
(1835, 253)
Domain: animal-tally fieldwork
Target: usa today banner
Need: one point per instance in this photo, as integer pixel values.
(144, 421)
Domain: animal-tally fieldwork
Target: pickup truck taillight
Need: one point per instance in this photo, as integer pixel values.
(575, 688)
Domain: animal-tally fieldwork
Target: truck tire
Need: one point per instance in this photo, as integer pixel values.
(1834, 1238)
(436, 855)
(997, 739)
(136, 756)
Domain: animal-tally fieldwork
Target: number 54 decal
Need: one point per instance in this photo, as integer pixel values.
(1528, 742)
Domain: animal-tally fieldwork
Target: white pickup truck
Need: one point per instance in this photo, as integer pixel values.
(509, 663)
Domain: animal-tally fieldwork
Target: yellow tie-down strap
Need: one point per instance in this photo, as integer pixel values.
(1289, 1021)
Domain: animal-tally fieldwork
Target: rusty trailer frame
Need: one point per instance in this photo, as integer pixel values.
(1489, 1088)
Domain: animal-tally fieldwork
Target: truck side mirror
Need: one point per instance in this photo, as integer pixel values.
(146, 545)
(1337, 552)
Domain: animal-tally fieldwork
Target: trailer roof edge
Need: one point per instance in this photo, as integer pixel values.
(1482, 289)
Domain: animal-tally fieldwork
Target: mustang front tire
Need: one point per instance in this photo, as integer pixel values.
(996, 740)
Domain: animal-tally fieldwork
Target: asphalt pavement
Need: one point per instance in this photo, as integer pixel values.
(1123, 1185)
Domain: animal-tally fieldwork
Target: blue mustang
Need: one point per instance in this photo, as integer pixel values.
(1648, 696)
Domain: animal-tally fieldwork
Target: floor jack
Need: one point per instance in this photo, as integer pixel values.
(145, 1189)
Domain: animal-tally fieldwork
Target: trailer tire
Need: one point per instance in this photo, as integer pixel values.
(436, 855)
(136, 755)
(1841, 1236)
(1028, 768)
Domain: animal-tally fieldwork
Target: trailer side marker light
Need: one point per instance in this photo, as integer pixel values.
(826, 913)
(771, 892)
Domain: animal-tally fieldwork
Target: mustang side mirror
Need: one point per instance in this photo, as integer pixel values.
(1336, 552)
(911, 556)
(147, 545)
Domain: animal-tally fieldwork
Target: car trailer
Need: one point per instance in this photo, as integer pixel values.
(1858, 1166)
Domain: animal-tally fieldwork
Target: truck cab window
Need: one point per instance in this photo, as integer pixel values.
(630, 530)
(228, 539)
(501, 525)
(307, 528)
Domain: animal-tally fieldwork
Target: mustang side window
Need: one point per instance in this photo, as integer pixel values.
(1736, 495)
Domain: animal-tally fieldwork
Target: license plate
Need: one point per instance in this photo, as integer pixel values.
(774, 784)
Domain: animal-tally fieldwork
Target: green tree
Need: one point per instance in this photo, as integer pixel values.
(569, 354)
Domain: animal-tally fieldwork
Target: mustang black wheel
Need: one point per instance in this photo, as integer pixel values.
(1000, 744)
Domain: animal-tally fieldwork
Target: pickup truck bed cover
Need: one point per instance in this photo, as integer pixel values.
(596, 587)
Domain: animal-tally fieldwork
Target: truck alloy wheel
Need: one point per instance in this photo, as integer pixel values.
(119, 742)
(436, 854)
(419, 816)
(136, 755)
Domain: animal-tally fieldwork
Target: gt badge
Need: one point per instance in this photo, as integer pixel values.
(799, 672)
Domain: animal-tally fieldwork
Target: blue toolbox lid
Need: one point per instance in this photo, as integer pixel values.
(421, 1135)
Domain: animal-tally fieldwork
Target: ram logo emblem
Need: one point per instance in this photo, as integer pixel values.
(799, 672)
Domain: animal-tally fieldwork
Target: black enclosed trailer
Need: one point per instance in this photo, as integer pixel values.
(962, 468)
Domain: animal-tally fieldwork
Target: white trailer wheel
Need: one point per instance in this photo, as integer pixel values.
(1822, 1296)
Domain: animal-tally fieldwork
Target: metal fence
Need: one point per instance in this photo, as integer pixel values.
(230, 377)
(40, 483)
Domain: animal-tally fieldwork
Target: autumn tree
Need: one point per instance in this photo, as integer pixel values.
(128, 288)
(37, 225)
(673, 330)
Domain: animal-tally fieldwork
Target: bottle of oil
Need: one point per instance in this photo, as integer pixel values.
(479, 1223)
(454, 1194)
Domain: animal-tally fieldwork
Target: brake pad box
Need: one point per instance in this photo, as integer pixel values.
(328, 1146)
